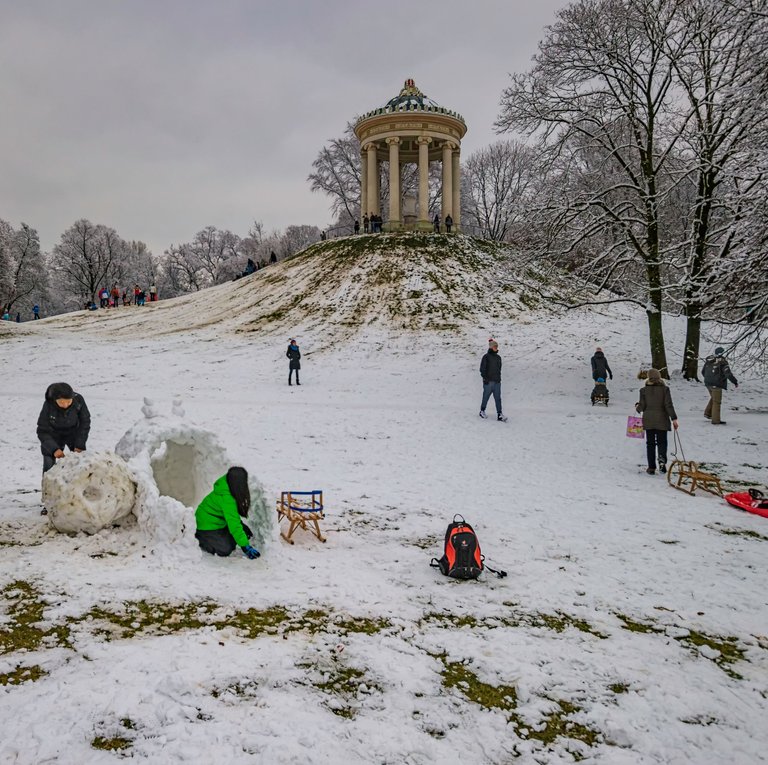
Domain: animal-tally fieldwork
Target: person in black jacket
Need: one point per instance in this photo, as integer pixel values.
(294, 354)
(490, 371)
(64, 421)
(600, 366)
(716, 372)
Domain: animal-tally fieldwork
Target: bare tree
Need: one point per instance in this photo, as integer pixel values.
(87, 258)
(497, 185)
(601, 84)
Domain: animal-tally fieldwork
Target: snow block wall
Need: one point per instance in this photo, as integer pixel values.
(175, 464)
(88, 492)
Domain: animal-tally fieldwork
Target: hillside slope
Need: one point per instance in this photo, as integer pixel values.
(411, 281)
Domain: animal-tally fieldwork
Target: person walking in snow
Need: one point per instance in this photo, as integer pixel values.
(600, 366)
(219, 516)
(36, 311)
(716, 373)
(657, 409)
(294, 354)
(490, 371)
(357, 227)
(436, 223)
(64, 421)
(366, 223)
(152, 293)
(448, 223)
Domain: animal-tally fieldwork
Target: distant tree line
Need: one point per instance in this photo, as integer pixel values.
(89, 257)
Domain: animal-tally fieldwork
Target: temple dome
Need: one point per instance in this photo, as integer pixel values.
(410, 99)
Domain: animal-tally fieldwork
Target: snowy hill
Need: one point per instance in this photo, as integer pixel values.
(394, 281)
(631, 628)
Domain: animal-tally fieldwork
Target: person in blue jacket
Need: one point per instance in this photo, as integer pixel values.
(294, 354)
(219, 516)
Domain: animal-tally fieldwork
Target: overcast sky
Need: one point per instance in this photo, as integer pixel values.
(159, 117)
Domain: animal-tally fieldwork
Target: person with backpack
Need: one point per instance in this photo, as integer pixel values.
(64, 421)
(600, 366)
(490, 371)
(219, 516)
(716, 373)
(658, 412)
(294, 354)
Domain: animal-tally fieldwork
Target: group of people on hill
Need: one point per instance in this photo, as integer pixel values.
(112, 298)
(7, 316)
(252, 266)
(372, 224)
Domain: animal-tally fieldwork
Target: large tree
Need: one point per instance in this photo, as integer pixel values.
(23, 275)
(601, 87)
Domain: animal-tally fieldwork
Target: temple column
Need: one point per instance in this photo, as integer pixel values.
(363, 186)
(424, 179)
(372, 176)
(447, 200)
(394, 182)
(456, 190)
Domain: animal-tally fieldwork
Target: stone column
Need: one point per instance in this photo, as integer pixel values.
(394, 183)
(363, 186)
(424, 179)
(372, 176)
(456, 191)
(447, 200)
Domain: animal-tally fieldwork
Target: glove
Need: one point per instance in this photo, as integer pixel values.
(251, 552)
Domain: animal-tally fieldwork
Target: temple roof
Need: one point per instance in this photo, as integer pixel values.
(410, 99)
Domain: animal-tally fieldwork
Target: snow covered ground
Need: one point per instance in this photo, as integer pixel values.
(632, 628)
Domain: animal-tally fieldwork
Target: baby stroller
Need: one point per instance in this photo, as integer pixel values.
(600, 392)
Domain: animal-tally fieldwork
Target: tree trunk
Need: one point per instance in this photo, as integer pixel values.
(655, 328)
(690, 367)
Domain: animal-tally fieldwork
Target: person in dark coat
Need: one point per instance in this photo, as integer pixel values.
(436, 223)
(64, 421)
(716, 373)
(600, 366)
(357, 227)
(658, 412)
(294, 354)
(490, 371)
(448, 223)
(272, 257)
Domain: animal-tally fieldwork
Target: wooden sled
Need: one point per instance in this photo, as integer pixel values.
(301, 508)
(686, 476)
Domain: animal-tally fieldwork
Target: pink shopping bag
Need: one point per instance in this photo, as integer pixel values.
(634, 427)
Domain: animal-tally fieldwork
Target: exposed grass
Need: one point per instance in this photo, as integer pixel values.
(745, 533)
(114, 744)
(558, 724)
(22, 675)
(458, 675)
(634, 626)
(345, 686)
(25, 612)
(619, 688)
(140, 617)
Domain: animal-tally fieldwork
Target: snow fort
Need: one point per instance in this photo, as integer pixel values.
(168, 464)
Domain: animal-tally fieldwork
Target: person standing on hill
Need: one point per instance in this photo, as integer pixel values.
(152, 293)
(490, 371)
(657, 409)
(294, 354)
(36, 311)
(600, 366)
(716, 372)
(64, 421)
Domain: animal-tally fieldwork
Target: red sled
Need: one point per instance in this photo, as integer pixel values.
(753, 501)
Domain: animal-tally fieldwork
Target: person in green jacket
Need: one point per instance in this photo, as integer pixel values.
(218, 517)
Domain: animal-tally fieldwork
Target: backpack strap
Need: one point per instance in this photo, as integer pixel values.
(501, 574)
(434, 563)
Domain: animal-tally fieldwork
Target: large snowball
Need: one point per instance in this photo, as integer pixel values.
(88, 492)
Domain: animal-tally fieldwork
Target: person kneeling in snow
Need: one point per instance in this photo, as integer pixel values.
(219, 528)
(64, 421)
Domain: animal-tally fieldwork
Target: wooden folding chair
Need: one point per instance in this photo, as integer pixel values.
(300, 512)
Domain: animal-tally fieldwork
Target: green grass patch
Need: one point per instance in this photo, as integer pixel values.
(114, 744)
(619, 688)
(22, 675)
(25, 611)
(559, 724)
(632, 625)
(460, 677)
(728, 646)
(143, 616)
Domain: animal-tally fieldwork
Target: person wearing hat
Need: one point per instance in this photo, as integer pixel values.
(659, 418)
(64, 421)
(490, 371)
(716, 373)
(294, 354)
(600, 366)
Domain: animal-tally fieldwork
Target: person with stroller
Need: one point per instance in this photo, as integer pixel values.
(599, 392)
(294, 354)
(658, 412)
(219, 516)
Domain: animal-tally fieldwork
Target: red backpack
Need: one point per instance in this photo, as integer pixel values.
(462, 558)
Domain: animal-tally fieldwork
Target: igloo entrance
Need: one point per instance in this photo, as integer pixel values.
(175, 467)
